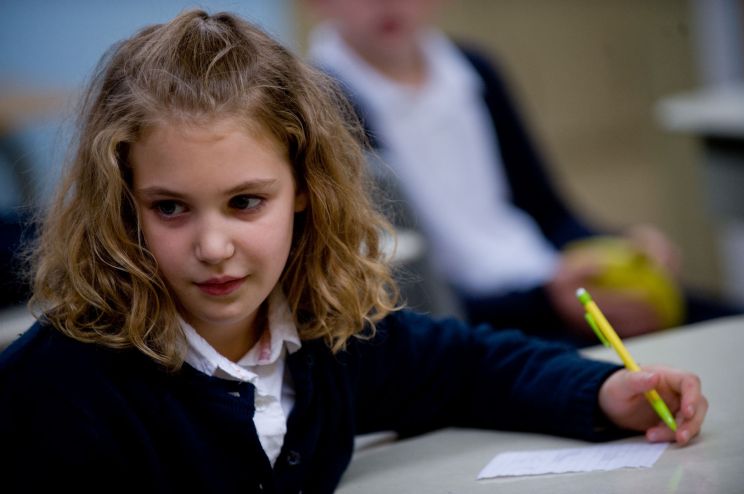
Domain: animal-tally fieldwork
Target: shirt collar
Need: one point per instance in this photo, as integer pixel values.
(282, 334)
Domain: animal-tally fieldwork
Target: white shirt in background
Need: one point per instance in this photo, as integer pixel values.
(439, 141)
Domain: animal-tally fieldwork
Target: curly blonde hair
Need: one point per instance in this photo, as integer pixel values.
(94, 278)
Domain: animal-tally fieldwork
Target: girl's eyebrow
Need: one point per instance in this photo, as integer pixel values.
(251, 185)
(247, 186)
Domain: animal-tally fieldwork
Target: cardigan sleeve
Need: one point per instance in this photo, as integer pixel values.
(419, 374)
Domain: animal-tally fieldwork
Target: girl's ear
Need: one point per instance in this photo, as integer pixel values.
(300, 203)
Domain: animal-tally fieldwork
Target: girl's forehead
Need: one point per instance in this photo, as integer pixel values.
(204, 126)
(215, 151)
(208, 130)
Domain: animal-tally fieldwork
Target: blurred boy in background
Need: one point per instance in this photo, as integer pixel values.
(471, 180)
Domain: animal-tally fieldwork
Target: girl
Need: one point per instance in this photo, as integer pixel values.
(216, 312)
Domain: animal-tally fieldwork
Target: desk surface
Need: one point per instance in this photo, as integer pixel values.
(448, 461)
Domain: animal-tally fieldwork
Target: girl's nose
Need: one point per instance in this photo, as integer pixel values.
(214, 245)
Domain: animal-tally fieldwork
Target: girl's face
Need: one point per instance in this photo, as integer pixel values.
(216, 204)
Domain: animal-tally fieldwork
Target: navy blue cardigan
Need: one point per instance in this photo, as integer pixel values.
(82, 416)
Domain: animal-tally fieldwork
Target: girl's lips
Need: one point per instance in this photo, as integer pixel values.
(220, 287)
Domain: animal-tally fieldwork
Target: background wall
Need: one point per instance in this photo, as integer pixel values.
(589, 74)
(48, 49)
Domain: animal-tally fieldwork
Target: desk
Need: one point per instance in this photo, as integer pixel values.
(448, 461)
(13, 322)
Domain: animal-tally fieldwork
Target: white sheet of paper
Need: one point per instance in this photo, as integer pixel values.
(586, 459)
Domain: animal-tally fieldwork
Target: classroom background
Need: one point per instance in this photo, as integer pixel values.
(638, 105)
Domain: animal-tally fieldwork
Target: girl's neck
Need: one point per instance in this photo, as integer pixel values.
(235, 341)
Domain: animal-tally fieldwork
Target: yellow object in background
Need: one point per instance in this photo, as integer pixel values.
(628, 270)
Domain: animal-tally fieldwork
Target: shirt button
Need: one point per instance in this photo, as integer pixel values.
(293, 458)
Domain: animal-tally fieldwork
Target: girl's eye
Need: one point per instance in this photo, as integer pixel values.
(244, 202)
(168, 208)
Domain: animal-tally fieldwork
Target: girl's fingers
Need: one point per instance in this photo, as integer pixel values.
(683, 394)
(660, 433)
(690, 420)
(691, 395)
(689, 423)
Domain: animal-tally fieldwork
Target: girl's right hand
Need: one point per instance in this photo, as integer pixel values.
(622, 400)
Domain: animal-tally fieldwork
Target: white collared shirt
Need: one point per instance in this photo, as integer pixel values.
(263, 366)
(441, 135)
